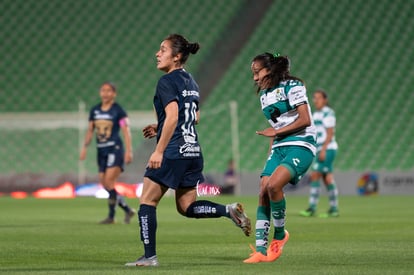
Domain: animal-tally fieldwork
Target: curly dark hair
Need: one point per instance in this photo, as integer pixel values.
(279, 67)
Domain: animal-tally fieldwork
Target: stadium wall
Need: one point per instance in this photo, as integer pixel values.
(349, 183)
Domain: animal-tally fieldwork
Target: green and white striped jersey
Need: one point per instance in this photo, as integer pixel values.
(323, 119)
(279, 107)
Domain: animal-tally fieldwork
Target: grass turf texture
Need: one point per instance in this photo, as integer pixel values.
(373, 235)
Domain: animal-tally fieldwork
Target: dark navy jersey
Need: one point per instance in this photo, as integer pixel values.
(106, 124)
(179, 86)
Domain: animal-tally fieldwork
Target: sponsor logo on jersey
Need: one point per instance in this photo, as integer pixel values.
(190, 150)
(272, 97)
(102, 116)
(190, 93)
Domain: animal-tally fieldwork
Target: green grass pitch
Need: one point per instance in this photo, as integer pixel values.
(373, 235)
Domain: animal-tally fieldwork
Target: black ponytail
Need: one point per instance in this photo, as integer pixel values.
(193, 47)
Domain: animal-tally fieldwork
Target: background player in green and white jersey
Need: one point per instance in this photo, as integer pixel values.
(325, 121)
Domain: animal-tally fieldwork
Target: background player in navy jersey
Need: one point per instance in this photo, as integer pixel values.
(177, 160)
(292, 135)
(107, 118)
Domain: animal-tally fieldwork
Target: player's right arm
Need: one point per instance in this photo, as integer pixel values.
(197, 121)
(87, 141)
(170, 123)
(329, 135)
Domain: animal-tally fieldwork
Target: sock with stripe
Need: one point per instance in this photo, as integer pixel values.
(278, 210)
(262, 228)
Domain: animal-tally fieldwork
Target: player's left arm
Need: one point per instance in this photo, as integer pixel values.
(304, 120)
(126, 132)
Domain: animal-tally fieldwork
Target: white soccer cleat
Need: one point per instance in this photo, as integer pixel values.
(142, 261)
(240, 218)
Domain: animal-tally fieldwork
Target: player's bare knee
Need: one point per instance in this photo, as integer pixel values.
(315, 176)
(273, 188)
(263, 193)
(148, 200)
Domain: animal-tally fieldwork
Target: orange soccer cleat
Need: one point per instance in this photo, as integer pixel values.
(275, 248)
(255, 257)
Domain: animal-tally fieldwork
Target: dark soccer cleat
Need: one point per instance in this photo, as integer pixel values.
(107, 221)
(128, 216)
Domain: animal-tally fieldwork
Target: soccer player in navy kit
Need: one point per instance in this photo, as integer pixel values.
(107, 118)
(177, 160)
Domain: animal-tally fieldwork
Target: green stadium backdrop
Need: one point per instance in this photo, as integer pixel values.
(55, 54)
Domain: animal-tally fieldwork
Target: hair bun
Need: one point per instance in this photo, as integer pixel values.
(193, 47)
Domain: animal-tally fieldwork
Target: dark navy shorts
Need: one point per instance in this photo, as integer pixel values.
(178, 173)
(110, 158)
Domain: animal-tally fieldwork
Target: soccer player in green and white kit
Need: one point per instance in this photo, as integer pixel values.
(292, 135)
(325, 121)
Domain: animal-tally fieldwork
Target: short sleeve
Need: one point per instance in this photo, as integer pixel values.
(122, 113)
(166, 91)
(329, 121)
(91, 112)
(297, 96)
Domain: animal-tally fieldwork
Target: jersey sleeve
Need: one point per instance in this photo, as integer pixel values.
(329, 121)
(122, 113)
(297, 96)
(91, 112)
(166, 91)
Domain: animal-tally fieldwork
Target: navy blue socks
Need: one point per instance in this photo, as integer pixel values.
(147, 217)
(206, 209)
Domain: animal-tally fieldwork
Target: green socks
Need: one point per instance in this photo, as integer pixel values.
(262, 228)
(278, 209)
(333, 196)
(314, 194)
